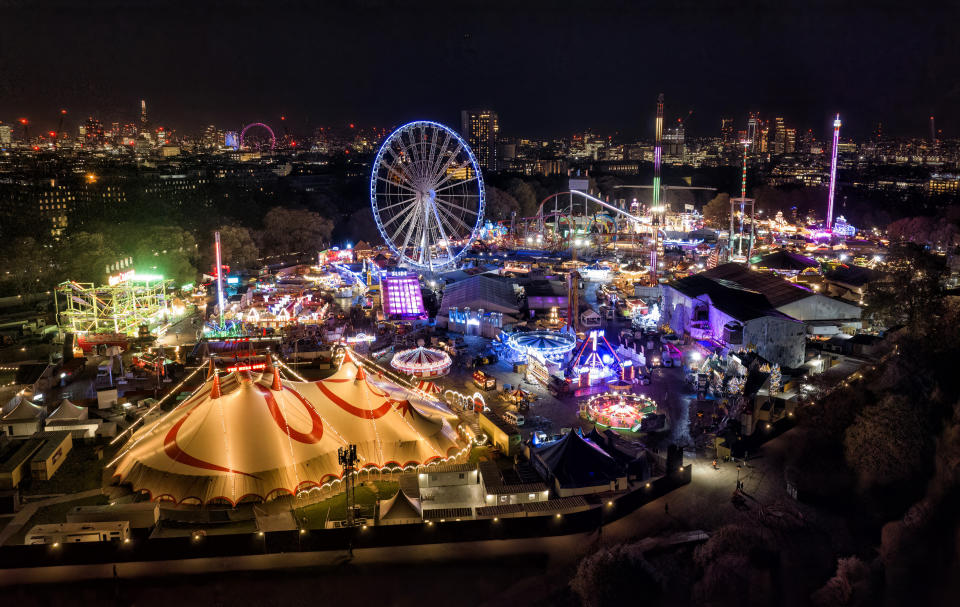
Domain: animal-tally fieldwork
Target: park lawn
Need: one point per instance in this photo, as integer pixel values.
(55, 513)
(479, 454)
(315, 516)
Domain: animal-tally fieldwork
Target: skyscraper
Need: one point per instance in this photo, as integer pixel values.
(791, 142)
(726, 130)
(481, 129)
(753, 132)
(143, 114)
(6, 135)
(780, 137)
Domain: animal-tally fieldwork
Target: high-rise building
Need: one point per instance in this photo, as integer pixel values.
(791, 142)
(674, 141)
(780, 137)
(753, 131)
(143, 114)
(481, 129)
(764, 143)
(726, 130)
(6, 135)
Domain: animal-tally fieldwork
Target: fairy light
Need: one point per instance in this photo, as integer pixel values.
(226, 445)
(155, 406)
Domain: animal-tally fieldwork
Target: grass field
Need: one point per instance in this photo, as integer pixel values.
(335, 508)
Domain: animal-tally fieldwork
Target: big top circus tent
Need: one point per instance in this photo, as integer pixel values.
(250, 437)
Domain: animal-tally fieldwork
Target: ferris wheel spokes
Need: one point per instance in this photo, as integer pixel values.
(415, 165)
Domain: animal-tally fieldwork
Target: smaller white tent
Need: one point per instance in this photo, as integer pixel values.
(67, 411)
(22, 420)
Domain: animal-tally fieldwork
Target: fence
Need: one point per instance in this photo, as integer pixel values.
(142, 549)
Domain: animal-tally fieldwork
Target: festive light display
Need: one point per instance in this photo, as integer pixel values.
(549, 344)
(402, 297)
(619, 411)
(597, 365)
(421, 362)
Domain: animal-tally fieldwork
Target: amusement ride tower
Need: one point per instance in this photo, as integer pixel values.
(655, 206)
(833, 171)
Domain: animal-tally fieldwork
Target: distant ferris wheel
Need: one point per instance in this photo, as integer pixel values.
(427, 195)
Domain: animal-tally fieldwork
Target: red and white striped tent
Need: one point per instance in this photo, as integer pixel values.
(250, 438)
(429, 387)
(421, 362)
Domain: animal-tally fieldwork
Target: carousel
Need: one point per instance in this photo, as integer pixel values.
(552, 345)
(618, 411)
(421, 362)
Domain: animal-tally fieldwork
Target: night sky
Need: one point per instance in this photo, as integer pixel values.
(546, 67)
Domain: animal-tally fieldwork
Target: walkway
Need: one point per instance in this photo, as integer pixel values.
(24, 516)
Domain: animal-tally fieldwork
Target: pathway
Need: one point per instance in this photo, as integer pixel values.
(24, 516)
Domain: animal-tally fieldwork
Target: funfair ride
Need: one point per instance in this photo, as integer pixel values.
(427, 195)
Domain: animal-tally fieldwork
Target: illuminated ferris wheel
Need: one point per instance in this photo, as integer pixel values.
(427, 195)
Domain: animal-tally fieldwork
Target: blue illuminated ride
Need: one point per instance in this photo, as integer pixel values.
(427, 195)
(548, 344)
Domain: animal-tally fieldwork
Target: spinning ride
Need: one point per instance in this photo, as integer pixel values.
(421, 362)
(549, 344)
(619, 411)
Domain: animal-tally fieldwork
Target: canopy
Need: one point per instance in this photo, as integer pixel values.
(254, 438)
(429, 387)
(24, 411)
(68, 411)
(421, 362)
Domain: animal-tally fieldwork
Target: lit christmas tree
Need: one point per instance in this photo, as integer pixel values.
(776, 379)
(735, 385)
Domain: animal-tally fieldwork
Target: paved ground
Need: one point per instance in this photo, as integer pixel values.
(476, 573)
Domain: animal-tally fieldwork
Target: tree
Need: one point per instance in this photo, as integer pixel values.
(717, 211)
(852, 585)
(525, 195)
(611, 576)
(168, 250)
(500, 204)
(912, 290)
(889, 443)
(26, 267)
(84, 257)
(295, 231)
(237, 246)
(739, 568)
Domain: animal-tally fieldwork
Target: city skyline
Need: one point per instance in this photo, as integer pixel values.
(547, 70)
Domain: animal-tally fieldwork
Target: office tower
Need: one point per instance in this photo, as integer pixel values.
(674, 141)
(791, 141)
(143, 114)
(764, 146)
(753, 131)
(92, 131)
(726, 130)
(481, 129)
(6, 135)
(780, 137)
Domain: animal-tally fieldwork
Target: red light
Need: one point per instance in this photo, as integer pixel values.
(293, 143)
(283, 117)
(351, 125)
(53, 134)
(23, 121)
(63, 111)
(36, 148)
(346, 151)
